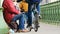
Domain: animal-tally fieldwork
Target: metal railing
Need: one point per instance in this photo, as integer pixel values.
(51, 12)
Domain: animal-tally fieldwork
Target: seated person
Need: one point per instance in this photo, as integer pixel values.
(24, 8)
(11, 14)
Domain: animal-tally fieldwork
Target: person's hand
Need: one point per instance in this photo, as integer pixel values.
(19, 12)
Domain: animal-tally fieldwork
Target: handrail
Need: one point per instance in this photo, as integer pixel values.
(51, 4)
(51, 11)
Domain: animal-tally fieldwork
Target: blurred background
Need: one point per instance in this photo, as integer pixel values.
(50, 12)
(47, 1)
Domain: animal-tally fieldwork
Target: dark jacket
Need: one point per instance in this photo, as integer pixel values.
(33, 1)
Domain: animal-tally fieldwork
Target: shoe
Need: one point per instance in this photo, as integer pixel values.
(24, 30)
(29, 27)
(11, 31)
(40, 17)
(38, 26)
(15, 30)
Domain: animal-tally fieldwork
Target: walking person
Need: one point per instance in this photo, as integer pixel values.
(30, 4)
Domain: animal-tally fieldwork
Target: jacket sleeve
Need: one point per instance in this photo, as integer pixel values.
(11, 7)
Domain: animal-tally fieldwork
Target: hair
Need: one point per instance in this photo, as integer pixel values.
(19, 0)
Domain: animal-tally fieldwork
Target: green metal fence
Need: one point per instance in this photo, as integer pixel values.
(51, 12)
